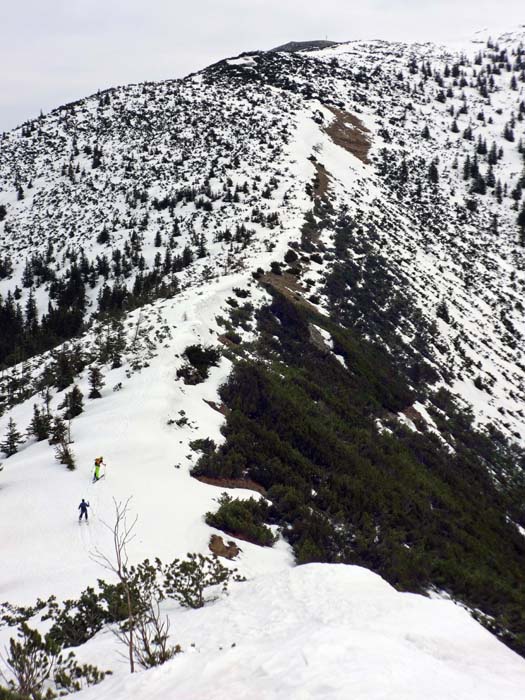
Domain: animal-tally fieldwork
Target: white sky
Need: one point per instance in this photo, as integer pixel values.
(55, 51)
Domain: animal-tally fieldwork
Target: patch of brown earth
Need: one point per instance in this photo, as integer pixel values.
(415, 416)
(219, 407)
(227, 342)
(350, 133)
(217, 547)
(321, 182)
(232, 483)
(289, 286)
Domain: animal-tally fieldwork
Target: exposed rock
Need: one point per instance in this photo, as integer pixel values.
(217, 546)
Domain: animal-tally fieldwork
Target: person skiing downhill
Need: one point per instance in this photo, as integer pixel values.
(98, 463)
(83, 510)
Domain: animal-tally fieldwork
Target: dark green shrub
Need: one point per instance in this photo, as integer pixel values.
(205, 445)
(241, 293)
(233, 337)
(242, 316)
(6, 694)
(243, 518)
(199, 360)
(186, 580)
(37, 661)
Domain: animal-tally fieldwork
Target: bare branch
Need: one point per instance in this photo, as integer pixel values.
(122, 533)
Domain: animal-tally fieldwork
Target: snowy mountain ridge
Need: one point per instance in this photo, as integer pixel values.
(326, 203)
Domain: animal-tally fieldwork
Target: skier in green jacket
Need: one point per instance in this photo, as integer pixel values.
(96, 474)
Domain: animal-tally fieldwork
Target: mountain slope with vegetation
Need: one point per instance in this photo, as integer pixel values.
(295, 279)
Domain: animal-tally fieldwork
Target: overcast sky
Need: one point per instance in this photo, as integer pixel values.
(55, 51)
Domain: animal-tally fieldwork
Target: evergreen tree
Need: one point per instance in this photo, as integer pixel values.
(12, 439)
(96, 382)
(58, 431)
(64, 370)
(45, 392)
(31, 315)
(6, 267)
(40, 425)
(187, 256)
(73, 403)
(466, 168)
(493, 154)
(491, 179)
(27, 275)
(64, 454)
(479, 186)
(201, 247)
(433, 173)
(403, 174)
(499, 192)
(521, 223)
(494, 226)
(508, 132)
(103, 237)
(118, 344)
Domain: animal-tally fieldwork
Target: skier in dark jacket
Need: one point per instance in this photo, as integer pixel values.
(83, 510)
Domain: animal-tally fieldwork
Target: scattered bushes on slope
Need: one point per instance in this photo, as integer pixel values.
(344, 490)
(75, 621)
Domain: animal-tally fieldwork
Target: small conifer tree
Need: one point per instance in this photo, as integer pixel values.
(521, 223)
(73, 403)
(36, 662)
(96, 382)
(58, 431)
(40, 425)
(433, 173)
(12, 439)
(64, 454)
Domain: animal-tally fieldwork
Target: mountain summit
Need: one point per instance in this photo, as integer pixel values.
(293, 46)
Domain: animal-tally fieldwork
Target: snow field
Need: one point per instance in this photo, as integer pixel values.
(324, 632)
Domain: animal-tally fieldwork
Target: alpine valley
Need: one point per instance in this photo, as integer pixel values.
(284, 299)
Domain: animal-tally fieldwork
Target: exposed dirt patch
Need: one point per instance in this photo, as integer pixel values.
(244, 538)
(232, 484)
(219, 407)
(289, 286)
(321, 182)
(227, 342)
(415, 416)
(318, 340)
(350, 133)
(218, 547)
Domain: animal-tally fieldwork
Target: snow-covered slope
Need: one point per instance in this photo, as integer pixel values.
(325, 631)
(147, 459)
(169, 172)
(159, 202)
